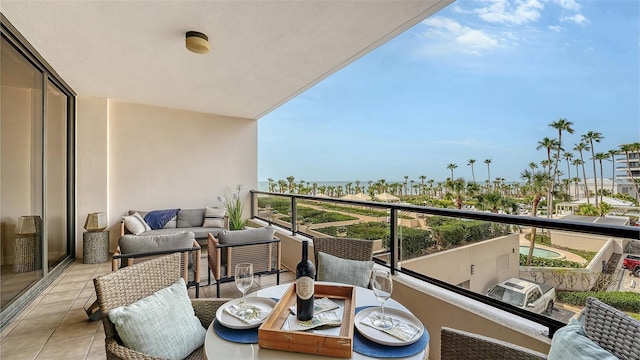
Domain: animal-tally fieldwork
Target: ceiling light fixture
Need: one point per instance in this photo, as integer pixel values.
(197, 42)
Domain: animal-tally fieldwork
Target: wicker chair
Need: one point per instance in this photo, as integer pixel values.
(264, 254)
(611, 329)
(353, 249)
(191, 254)
(458, 344)
(130, 284)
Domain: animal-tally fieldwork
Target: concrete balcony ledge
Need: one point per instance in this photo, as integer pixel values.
(437, 307)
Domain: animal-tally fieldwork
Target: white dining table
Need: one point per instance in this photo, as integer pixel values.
(217, 348)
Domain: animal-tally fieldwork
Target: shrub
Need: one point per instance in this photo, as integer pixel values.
(414, 242)
(369, 231)
(542, 262)
(621, 300)
(452, 232)
(315, 216)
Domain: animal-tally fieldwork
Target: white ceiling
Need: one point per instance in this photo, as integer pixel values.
(263, 53)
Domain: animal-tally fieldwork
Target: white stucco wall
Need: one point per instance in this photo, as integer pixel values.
(493, 261)
(135, 156)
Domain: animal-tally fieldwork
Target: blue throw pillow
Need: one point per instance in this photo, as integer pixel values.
(570, 342)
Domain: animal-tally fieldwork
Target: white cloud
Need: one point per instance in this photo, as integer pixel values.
(556, 28)
(518, 12)
(450, 36)
(577, 18)
(568, 4)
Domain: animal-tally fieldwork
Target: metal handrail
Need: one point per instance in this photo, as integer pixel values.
(617, 231)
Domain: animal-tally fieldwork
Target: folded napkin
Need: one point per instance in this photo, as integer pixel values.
(319, 305)
(325, 318)
(252, 315)
(400, 329)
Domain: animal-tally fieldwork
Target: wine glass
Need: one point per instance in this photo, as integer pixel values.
(382, 288)
(244, 280)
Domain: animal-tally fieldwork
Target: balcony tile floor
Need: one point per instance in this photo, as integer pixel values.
(55, 325)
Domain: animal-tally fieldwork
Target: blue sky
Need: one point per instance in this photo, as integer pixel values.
(479, 79)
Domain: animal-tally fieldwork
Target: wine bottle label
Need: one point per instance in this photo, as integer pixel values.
(304, 287)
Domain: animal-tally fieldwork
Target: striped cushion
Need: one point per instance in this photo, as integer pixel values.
(135, 224)
(214, 217)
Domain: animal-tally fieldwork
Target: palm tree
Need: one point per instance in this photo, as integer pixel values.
(488, 162)
(458, 187)
(272, 185)
(549, 145)
(422, 179)
(561, 125)
(451, 167)
(612, 153)
(579, 147)
(567, 156)
(406, 178)
(291, 179)
(590, 137)
(627, 148)
(470, 163)
(537, 184)
(600, 157)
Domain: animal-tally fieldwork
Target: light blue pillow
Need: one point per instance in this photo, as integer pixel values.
(570, 342)
(346, 271)
(162, 324)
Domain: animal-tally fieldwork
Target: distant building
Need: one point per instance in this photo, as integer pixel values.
(625, 169)
(618, 207)
(615, 186)
(623, 166)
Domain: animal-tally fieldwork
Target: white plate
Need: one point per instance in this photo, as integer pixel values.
(233, 322)
(380, 336)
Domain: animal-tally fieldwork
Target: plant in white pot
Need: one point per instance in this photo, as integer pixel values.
(233, 204)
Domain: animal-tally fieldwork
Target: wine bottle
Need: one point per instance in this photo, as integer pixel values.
(305, 273)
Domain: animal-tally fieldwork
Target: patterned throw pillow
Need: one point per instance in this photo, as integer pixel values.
(214, 217)
(162, 325)
(135, 224)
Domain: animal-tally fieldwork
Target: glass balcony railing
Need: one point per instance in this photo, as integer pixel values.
(469, 251)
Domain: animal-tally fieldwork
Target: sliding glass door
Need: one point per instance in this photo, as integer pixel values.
(36, 167)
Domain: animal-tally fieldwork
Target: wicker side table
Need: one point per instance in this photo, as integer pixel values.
(95, 247)
(27, 254)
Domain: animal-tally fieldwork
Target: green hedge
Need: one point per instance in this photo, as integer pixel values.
(538, 261)
(369, 230)
(315, 216)
(453, 232)
(621, 300)
(414, 241)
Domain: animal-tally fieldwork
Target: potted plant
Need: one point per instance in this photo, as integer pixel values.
(234, 209)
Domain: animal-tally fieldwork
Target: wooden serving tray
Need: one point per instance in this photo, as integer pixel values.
(272, 336)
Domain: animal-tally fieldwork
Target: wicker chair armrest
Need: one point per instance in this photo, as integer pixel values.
(153, 253)
(120, 352)
(213, 256)
(248, 243)
(205, 309)
(458, 344)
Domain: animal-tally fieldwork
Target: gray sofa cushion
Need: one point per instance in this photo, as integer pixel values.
(132, 244)
(198, 232)
(236, 237)
(190, 218)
